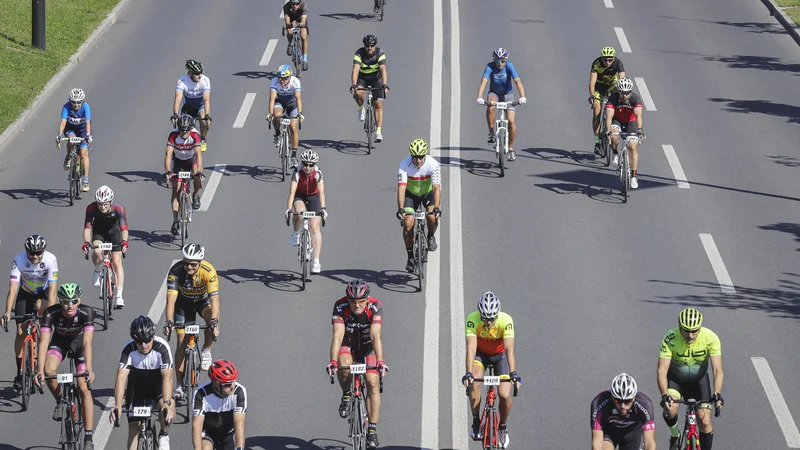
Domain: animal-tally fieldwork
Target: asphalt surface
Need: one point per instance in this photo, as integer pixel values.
(593, 284)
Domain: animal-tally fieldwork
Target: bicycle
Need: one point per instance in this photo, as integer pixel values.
(108, 281)
(74, 173)
(357, 410)
(370, 122)
(284, 147)
(72, 423)
(420, 248)
(185, 209)
(624, 166)
(490, 419)
(501, 132)
(148, 427)
(690, 435)
(304, 251)
(191, 363)
(297, 51)
(28, 368)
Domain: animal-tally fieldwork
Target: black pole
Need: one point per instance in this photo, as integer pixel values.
(38, 24)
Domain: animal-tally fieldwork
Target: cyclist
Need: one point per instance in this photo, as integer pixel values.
(369, 69)
(490, 341)
(357, 325)
(65, 327)
(192, 288)
(34, 277)
(194, 89)
(683, 373)
(106, 221)
(182, 156)
(418, 183)
(285, 97)
(307, 191)
(622, 417)
(219, 409)
(144, 377)
(76, 119)
(295, 14)
(499, 75)
(624, 113)
(603, 76)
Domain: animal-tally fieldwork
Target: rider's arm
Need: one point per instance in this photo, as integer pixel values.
(663, 368)
(592, 82)
(238, 427)
(292, 190)
(597, 440)
(649, 439)
(510, 355)
(197, 431)
(336, 343)
(638, 112)
(719, 374)
(377, 342)
(472, 347)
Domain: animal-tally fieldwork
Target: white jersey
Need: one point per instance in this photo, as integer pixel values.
(285, 93)
(34, 278)
(193, 92)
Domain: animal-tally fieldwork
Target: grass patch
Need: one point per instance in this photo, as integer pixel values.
(25, 70)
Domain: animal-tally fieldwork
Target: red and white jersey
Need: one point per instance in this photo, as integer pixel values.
(184, 149)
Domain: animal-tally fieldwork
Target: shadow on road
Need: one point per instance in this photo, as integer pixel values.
(256, 74)
(280, 280)
(270, 174)
(391, 280)
(785, 227)
(158, 239)
(790, 112)
(49, 197)
(346, 147)
(135, 176)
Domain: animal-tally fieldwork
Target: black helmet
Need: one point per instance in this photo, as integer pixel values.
(185, 122)
(35, 244)
(370, 40)
(194, 67)
(357, 289)
(142, 329)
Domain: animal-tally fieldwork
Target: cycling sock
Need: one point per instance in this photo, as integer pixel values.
(19, 366)
(372, 428)
(706, 439)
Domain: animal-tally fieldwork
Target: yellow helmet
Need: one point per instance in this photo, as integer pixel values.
(418, 147)
(690, 319)
(608, 52)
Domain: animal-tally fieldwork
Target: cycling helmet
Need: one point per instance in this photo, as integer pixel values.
(142, 329)
(69, 291)
(185, 122)
(489, 306)
(309, 156)
(608, 52)
(625, 85)
(284, 71)
(690, 319)
(222, 371)
(357, 288)
(194, 67)
(418, 147)
(370, 40)
(77, 95)
(500, 53)
(104, 194)
(194, 252)
(623, 387)
(35, 243)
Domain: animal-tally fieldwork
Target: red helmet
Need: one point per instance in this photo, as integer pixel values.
(222, 371)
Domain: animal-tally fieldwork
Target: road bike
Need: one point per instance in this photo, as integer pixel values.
(108, 281)
(74, 177)
(304, 251)
(148, 425)
(370, 122)
(420, 249)
(284, 146)
(501, 132)
(624, 166)
(490, 419)
(296, 49)
(30, 333)
(72, 423)
(357, 417)
(191, 362)
(185, 209)
(690, 438)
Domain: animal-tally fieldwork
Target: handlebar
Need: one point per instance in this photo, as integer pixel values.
(315, 214)
(380, 374)
(692, 403)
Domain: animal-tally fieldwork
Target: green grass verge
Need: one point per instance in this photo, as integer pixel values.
(25, 70)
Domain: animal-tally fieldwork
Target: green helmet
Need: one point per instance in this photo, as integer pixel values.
(194, 67)
(418, 147)
(69, 291)
(608, 52)
(690, 319)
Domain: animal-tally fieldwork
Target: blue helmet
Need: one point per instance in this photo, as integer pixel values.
(284, 71)
(500, 53)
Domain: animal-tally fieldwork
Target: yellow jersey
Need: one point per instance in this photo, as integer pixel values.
(490, 340)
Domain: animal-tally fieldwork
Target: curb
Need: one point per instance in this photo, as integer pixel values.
(777, 12)
(16, 126)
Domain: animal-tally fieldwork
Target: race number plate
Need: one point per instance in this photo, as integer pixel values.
(491, 381)
(358, 368)
(184, 175)
(192, 329)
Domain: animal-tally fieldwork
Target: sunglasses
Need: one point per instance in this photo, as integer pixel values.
(191, 264)
(608, 59)
(147, 341)
(69, 302)
(36, 253)
(309, 164)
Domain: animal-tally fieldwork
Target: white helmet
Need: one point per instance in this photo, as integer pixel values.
(104, 194)
(194, 252)
(623, 387)
(625, 85)
(489, 306)
(309, 156)
(76, 95)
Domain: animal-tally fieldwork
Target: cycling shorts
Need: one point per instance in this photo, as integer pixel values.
(499, 361)
(367, 358)
(698, 391)
(26, 302)
(184, 165)
(376, 82)
(186, 310)
(629, 439)
(114, 236)
(412, 202)
(312, 201)
(502, 98)
(60, 345)
(77, 131)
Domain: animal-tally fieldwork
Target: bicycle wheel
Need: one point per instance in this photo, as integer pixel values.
(626, 174)
(27, 373)
(501, 146)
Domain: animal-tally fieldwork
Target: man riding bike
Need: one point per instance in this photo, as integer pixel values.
(418, 183)
(194, 90)
(357, 327)
(603, 76)
(307, 192)
(295, 14)
(219, 409)
(285, 98)
(181, 155)
(369, 69)
(622, 417)
(76, 119)
(499, 75)
(624, 113)
(106, 221)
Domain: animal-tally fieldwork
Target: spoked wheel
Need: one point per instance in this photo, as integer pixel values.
(501, 151)
(27, 374)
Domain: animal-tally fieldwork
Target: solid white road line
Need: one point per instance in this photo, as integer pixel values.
(677, 169)
(429, 435)
(720, 271)
(268, 52)
(623, 41)
(645, 93)
(608, 3)
(244, 110)
(103, 428)
(458, 346)
(211, 187)
(775, 398)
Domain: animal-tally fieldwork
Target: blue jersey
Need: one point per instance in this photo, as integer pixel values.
(500, 80)
(76, 120)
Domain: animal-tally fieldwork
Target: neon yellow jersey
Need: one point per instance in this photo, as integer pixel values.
(490, 340)
(689, 362)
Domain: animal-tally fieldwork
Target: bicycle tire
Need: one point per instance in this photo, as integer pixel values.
(27, 375)
(501, 151)
(626, 174)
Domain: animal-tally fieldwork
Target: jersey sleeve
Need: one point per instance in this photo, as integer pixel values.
(87, 111)
(64, 113)
(512, 70)
(16, 275)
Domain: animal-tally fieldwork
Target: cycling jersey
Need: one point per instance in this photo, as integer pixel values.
(203, 284)
(623, 110)
(56, 322)
(370, 65)
(99, 223)
(689, 362)
(606, 416)
(218, 411)
(357, 334)
(420, 181)
(500, 80)
(193, 92)
(606, 76)
(295, 14)
(490, 340)
(34, 278)
(76, 120)
(307, 184)
(286, 94)
(183, 149)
